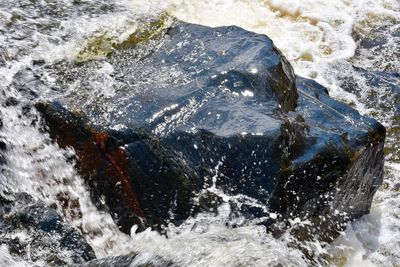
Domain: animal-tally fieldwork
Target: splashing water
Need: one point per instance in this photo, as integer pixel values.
(323, 40)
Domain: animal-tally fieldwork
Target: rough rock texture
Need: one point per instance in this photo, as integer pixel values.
(153, 122)
(37, 233)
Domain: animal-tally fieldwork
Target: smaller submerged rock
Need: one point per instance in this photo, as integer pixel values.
(34, 232)
(11, 101)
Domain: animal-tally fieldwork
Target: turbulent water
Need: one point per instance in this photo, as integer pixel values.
(323, 40)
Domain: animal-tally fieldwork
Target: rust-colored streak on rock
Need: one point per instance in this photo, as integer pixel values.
(100, 139)
(119, 161)
(88, 159)
(104, 165)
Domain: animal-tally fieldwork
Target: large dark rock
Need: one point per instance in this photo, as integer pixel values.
(191, 103)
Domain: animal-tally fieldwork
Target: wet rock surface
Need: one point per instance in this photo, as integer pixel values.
(138, 177)
(37, 233)
(194, 107)
(375, 43)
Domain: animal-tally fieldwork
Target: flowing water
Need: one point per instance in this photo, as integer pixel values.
(324, 40)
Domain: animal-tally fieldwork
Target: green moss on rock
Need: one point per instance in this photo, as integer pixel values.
(104, 44)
